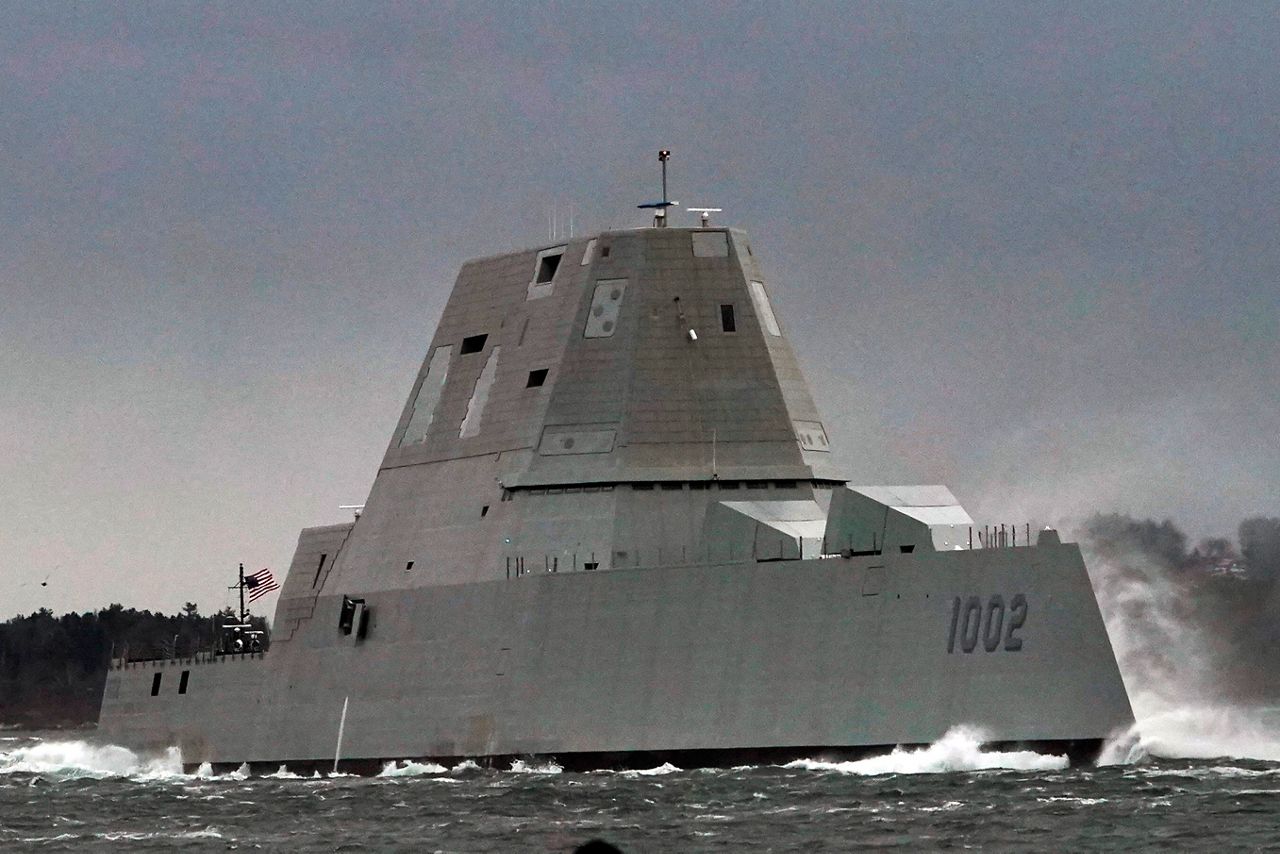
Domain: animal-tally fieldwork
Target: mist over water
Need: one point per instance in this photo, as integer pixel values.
(1173, 668)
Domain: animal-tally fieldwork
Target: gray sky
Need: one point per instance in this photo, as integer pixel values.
(1026, 250)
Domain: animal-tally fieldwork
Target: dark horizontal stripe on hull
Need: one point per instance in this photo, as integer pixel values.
(1078, 751)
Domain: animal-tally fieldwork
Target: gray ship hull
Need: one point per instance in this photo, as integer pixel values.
(701, 665)
(608, 528)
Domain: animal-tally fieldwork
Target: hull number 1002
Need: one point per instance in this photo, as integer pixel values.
(974, 622)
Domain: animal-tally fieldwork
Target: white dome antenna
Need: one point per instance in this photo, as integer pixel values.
(705, 214)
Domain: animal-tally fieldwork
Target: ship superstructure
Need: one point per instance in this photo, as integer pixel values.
(607, 528)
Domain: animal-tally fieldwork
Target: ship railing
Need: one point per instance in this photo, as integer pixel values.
(1002, 536)
(212, 656)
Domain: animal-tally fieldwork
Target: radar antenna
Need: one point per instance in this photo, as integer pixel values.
(660, 208)
(705, 214)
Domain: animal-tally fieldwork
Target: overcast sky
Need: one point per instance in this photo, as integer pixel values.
(1027, 250)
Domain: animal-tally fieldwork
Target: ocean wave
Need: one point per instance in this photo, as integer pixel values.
(66, 760)
(283, 773)
(960, 749)
(411, 769)
(519, 766)
(661, 771)
(1198, 732)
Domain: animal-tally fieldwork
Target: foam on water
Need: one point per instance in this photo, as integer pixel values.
(76, 759)
(661, 771)
(283, 773)
(960, 749)
(519, 766)
(1198, 732)
(411, 769)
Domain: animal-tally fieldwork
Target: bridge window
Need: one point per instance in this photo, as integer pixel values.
(727, 320)
(710, 244)
(547, 266)
(319, 567)
(536, 378)
(473, 344)
(544, 272)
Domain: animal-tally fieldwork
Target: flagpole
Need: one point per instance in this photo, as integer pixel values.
(242, 610)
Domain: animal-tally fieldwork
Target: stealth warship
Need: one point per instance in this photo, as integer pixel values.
(607, 529)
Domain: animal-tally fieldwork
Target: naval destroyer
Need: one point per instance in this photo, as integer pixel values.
(607, 529)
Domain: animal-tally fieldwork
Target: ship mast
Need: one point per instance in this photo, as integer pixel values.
(243, 612)
(660, 208)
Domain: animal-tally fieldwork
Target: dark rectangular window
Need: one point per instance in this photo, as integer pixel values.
(642, 486)
(473, 344)
(155, 684)
(726, 319)
(757, 484)
(604, 252)
(672, 486)
(319, 567)
(408, 567)
(183, 680)
(547, 267)
(484, 511)
(536, 378)
(728, 484)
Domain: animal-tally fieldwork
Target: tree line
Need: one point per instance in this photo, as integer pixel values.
(52, 668)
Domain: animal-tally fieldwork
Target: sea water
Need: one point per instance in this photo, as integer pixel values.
(1184, 783)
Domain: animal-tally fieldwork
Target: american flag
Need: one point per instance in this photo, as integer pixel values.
(260, 584)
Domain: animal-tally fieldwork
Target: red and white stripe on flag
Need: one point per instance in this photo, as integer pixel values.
(263, 583)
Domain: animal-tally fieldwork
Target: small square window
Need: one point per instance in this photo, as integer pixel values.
(473, 344)
(604, 251)
(536, 378)
(727, 322)
(408, 567)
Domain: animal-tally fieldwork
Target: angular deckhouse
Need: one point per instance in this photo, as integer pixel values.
(607, 528)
